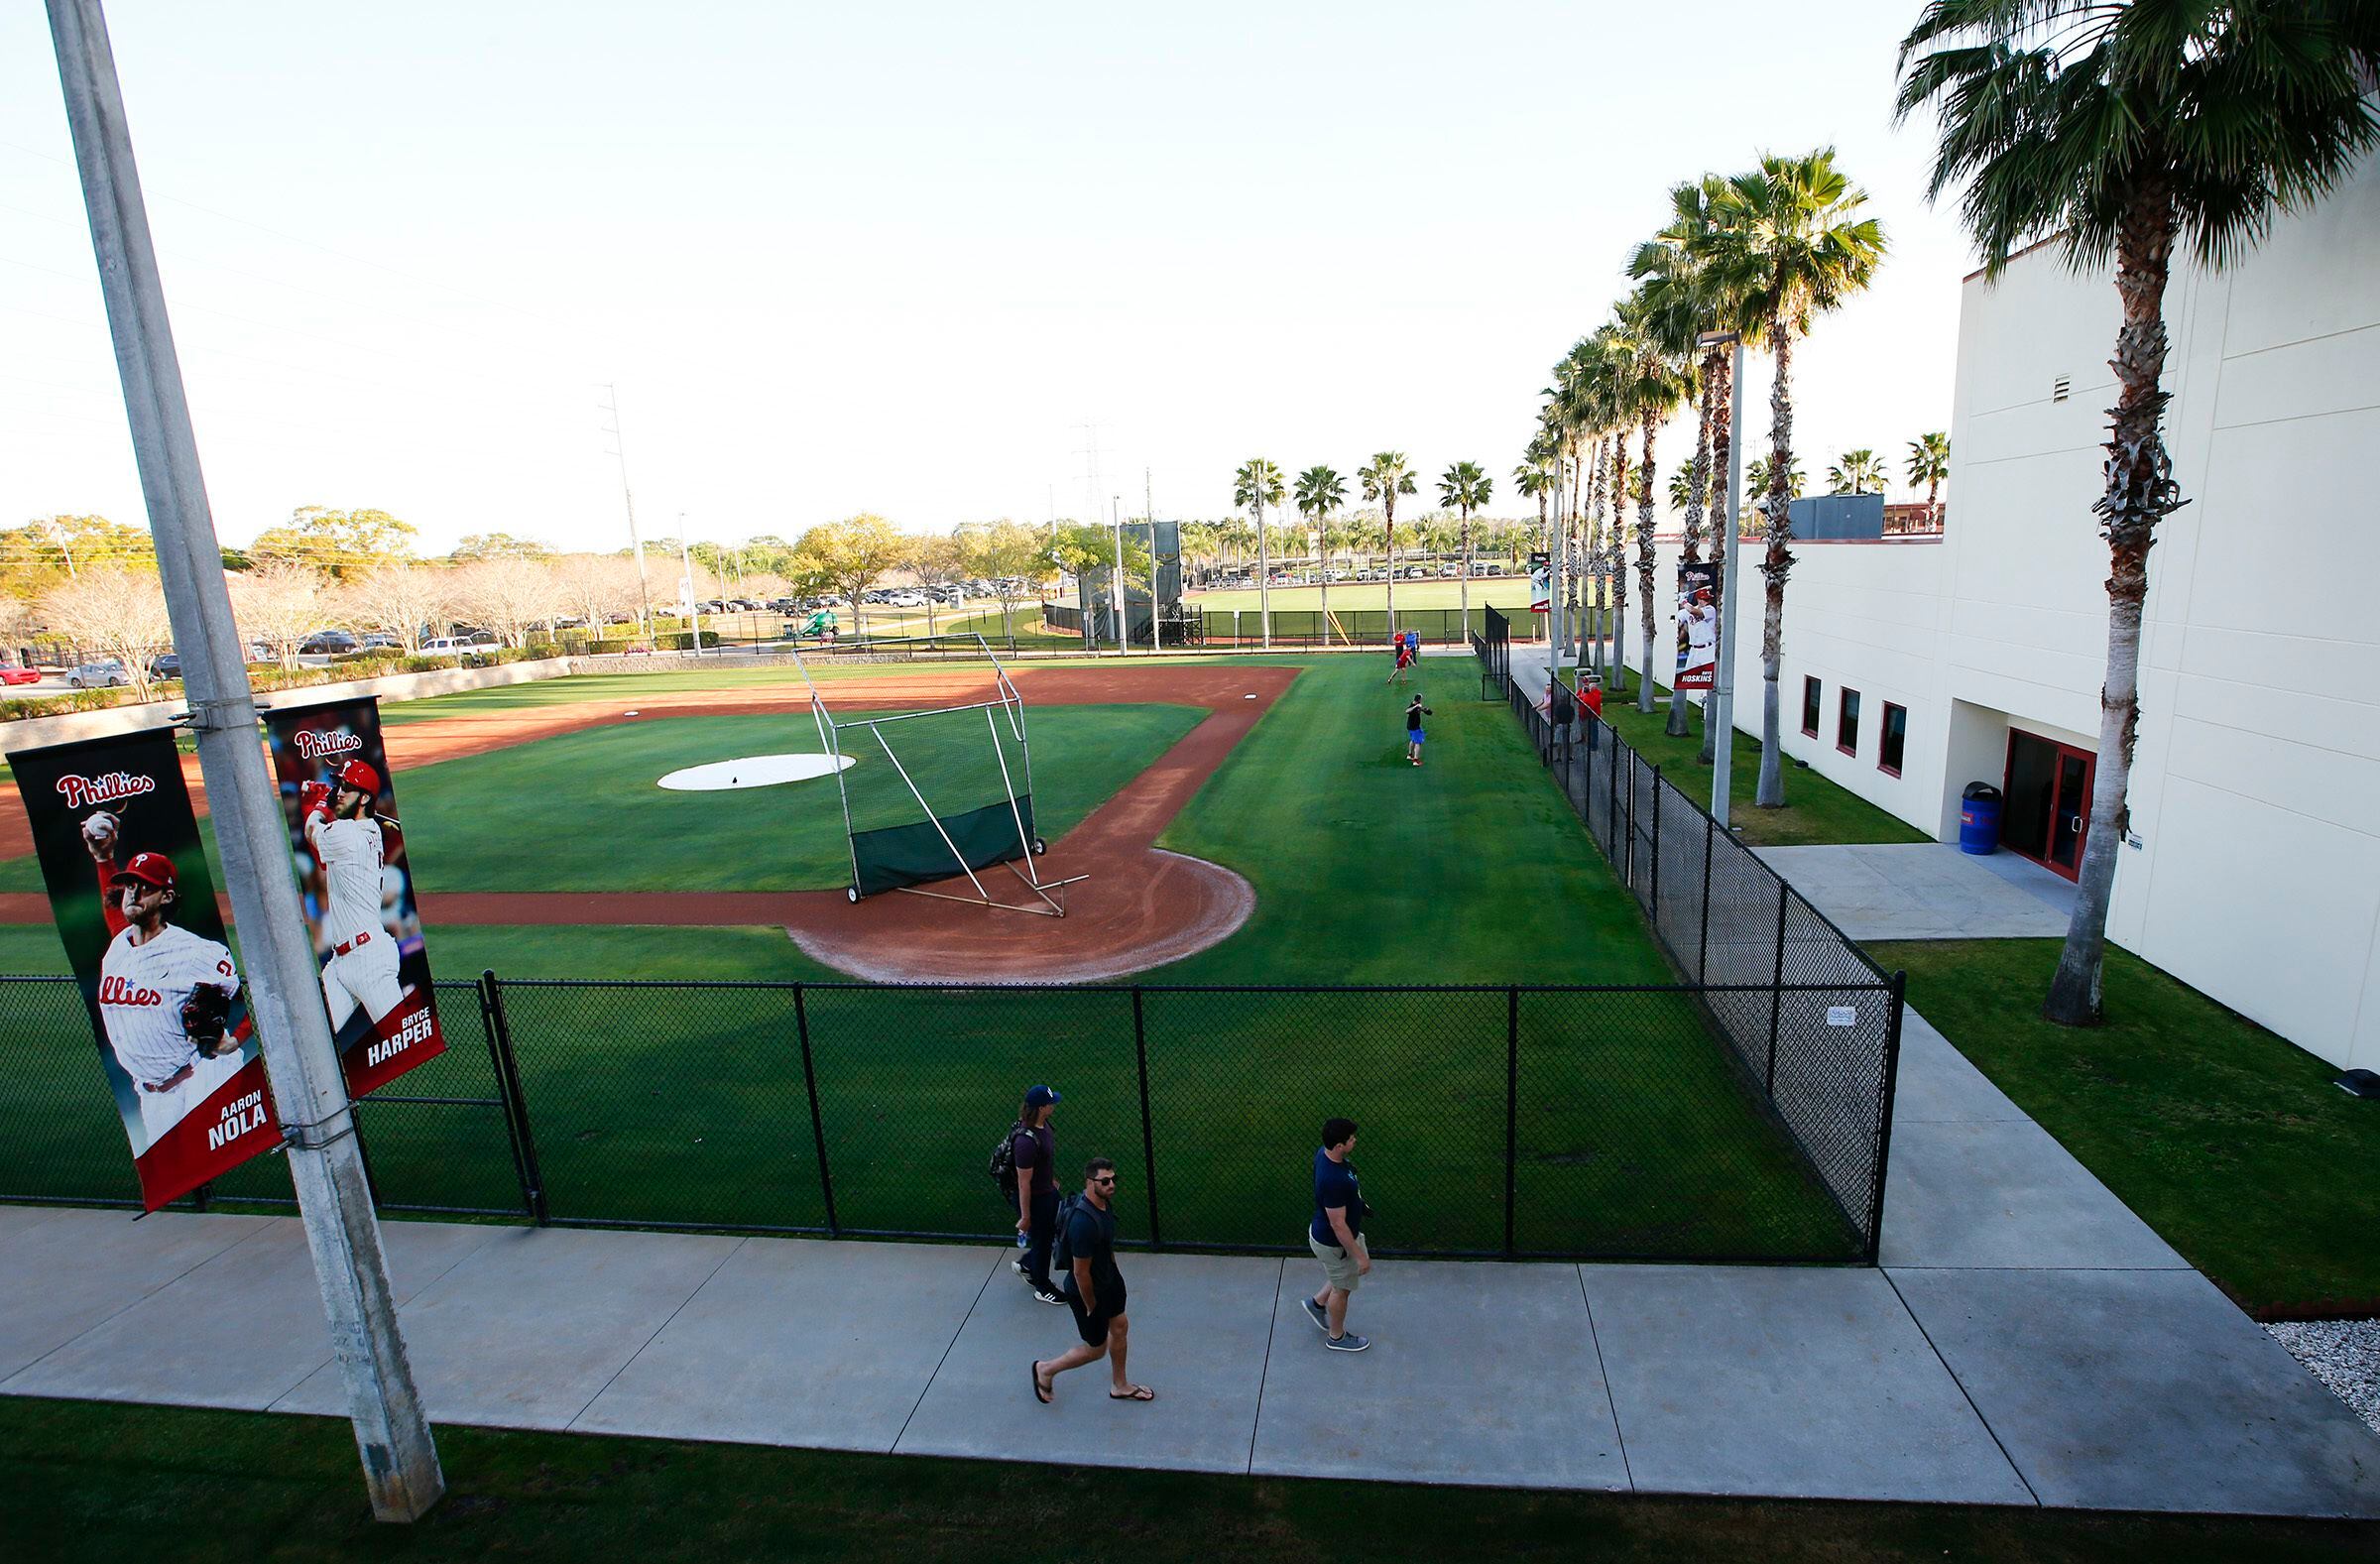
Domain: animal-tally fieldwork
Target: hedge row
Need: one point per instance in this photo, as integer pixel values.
(351, 666)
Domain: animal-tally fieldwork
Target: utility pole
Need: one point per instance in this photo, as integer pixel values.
(1720, 718)
(620, 449)
(1123, 629)
(1156, 609)
(685, 588)
(309, 1091)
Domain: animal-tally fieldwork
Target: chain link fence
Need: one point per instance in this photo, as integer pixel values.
(1812, 1024)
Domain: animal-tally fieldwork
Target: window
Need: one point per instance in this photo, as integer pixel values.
(1896, 737)
(1810, 692)
(1847, 722)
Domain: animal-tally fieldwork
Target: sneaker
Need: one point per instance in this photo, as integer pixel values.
(1047, 1295)
(1314, 1312)
(1017, 1266)
(1351, 1342)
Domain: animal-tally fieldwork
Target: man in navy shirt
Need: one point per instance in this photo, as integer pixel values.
(1093, 1291)
(1336, 1235)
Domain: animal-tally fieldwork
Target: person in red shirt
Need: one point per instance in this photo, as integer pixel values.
(1590, 696)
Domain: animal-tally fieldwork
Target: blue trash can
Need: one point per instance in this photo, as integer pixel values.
(1979, 819)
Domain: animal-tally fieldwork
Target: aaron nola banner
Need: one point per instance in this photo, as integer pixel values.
(357, 890)
(135, 903)
(1698, 624)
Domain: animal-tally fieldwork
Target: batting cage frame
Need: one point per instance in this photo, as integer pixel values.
(913, 855)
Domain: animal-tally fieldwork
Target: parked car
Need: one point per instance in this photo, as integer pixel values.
(381, 640)
(905, 600)
(105, 674)
(13, 674)
(167, 666)
(458, 645)
(330, 642)
(1416, 573)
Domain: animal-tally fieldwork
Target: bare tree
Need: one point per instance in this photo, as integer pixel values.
(511, 596)
(278, 603)
(403, 599)
(598, 587)
(116, 612)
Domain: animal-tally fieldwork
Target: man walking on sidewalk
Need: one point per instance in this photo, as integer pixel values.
(1336, 1235)
(1093, 1291)
(1034, 1150)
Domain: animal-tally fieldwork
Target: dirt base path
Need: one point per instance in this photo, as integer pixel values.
(1142, 908)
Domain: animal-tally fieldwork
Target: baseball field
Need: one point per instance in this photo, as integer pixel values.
(1249, 826)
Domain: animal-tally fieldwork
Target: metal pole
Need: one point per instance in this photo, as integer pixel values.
(809, 1079)
(1723, 691)
(1123, 629)
(685, 582)
(1156, 609)
(1148, 1137)
(309, 1093)
(637, 542)
(1511, 1110)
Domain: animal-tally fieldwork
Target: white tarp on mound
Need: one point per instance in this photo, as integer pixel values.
(751, 771)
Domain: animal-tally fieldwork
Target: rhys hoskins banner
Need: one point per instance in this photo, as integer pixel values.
(135, 903)
(1698, 624)
(356, 887)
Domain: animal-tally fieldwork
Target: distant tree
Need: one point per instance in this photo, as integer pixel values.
(508, 594)
(40, 552)
(1011, 556)
(934, 558)
(1930, 464)
(114, 611)
(1385, 477)
(1320, 493)
(1859, 472)
(403, 599)
(1255, 485)
(1465, 486)
(336, 543)
(599, 587)
(504, 546)
(850, 555)
(277, 604)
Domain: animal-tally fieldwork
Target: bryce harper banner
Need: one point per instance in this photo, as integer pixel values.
(356, 889)
(1698, 624)
(135, 902)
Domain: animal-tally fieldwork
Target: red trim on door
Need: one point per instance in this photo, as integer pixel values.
(2073, 772)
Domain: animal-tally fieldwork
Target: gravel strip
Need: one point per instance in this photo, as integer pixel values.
(2344, 1355)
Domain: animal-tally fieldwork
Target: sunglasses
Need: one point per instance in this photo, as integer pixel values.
(1109, 1179)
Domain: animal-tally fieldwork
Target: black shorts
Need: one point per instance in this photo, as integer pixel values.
(1093, 1327)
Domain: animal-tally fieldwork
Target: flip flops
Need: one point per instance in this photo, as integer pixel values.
(1139, 1392)
(1039, 1394)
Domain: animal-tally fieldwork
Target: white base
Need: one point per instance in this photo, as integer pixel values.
(753, 770)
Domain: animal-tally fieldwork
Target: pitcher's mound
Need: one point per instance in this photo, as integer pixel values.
(1137, 911)
(751, 771)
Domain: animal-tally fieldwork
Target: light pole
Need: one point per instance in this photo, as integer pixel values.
(309, 1089)
(1721, 715)
(1123, 634)
(685, 586)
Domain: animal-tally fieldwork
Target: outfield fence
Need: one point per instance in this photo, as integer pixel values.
(1728, 921)
(1589, 1122)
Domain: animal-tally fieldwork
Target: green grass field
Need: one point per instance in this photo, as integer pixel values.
(2227, 1139)
(1632, 1135)
(89, 1481)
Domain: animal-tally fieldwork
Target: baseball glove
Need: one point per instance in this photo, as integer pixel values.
(204, 1015)
(99, 832)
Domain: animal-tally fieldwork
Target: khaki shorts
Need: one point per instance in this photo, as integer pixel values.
(1337, 1265)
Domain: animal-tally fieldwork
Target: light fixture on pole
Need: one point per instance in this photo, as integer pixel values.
(1721, 717)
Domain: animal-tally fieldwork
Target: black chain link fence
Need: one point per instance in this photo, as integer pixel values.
(1813, 1026)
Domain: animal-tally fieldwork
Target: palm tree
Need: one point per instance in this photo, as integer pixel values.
(1255, 485)
(1321, 491)
(1385, 477)
(1859, 472)
(1755, 481)
(2123, 129)
(1790, 243)
(1534, 479)
(1930, 464)
(1465, 486)
(1654, 376)
(1681, 492)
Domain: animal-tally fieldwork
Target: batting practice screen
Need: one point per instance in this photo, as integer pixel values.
(934, 795)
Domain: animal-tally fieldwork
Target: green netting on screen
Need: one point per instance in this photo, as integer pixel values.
(907, 855)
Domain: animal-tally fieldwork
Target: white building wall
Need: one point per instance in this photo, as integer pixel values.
(2256, 787)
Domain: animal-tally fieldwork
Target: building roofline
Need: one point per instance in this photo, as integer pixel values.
(2044, 239)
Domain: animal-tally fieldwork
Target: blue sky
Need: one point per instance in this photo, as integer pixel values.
(894, 258)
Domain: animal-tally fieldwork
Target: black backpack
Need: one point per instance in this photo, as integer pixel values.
(1003, 1161)
(1061, 1253)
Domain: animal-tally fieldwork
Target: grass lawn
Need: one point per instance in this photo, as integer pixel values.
(1815, 809)
(92, 1481)
(2232, 1144)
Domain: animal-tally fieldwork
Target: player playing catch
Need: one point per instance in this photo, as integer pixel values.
(346, 841)
(1413, 733)
(165, 993)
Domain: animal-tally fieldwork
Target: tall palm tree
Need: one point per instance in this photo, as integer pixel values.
(1385, 477)
(1320, 492)
(1859, 472)
(2123, 129)
(1255, 485)
(1791, 242)
(1654, 376)
(1930, 464)
(1465, 486)
(1755, 482)
(1534, 479)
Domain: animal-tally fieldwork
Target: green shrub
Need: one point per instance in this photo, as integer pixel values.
(18, 709)
(683, 640)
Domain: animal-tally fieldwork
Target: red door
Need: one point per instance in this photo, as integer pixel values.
(2046, 815)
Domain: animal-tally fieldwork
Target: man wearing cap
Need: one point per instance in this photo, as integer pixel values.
(1034, 1149)
(361, 968)
(150, 969)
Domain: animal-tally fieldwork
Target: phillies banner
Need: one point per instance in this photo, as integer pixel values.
(1541, 582)
(357, 892)
(1698, 624)
(135, 903)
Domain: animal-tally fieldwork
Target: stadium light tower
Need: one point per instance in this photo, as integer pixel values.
(309, 1090)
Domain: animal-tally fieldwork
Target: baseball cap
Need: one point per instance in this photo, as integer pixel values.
(154, 870)
(1035, 1096)
(359, 774)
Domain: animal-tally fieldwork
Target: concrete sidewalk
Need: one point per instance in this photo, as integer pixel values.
(2027, 1341)
(1927, 891)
